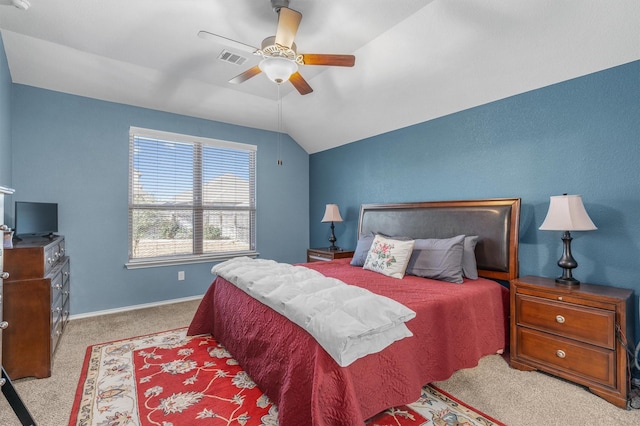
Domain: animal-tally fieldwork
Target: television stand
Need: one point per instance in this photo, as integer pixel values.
(14, 400)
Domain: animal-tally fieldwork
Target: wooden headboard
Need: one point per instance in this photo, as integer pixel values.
(495, 221)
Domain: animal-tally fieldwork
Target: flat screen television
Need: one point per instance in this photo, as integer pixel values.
(36, 219)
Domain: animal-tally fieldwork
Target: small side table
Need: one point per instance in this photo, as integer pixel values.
(573, 332)
(323, 254)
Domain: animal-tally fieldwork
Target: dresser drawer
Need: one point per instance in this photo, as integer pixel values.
(62, 250)
(56, 288)
(56, 311)
(56, 332)
(50, 258)
(590, 362)
(589, 325)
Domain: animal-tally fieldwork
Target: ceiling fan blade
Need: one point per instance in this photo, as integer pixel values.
(300, 83)
(288, 22)
(225, 40)
(328, 59)
(241, 78)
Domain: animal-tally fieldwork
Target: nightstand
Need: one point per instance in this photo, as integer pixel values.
(324, 254)
(573, 332)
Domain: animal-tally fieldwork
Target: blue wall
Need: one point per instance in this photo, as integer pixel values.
(578, 137)
(75, 151)
(5, 120)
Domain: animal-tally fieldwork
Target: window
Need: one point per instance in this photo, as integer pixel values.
(191, 199)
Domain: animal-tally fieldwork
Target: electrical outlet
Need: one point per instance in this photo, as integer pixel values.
(180, 275)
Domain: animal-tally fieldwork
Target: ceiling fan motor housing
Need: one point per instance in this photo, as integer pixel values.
(270, 48)
(277, 4)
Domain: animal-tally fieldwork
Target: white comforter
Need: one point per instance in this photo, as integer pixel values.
(349, 322)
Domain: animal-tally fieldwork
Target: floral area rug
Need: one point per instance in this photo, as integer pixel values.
(170, 379)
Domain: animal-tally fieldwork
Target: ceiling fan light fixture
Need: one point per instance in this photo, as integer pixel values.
(278, 69)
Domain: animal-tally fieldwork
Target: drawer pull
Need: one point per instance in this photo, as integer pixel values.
(560, 353)
(4, 275)
(3, 325)
(560, 319)
(560, 298)
(317, 257)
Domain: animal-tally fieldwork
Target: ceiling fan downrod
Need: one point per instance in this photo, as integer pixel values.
(277, 4)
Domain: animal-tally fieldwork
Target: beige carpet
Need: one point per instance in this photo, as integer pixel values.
(513, 397)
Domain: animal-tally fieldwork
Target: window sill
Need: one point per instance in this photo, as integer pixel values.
(154, 263)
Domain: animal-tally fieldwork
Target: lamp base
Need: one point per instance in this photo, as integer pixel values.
(567, 263)
(569, 282)
(333, 239)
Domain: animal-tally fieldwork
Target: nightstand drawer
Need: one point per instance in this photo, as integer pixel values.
(318, 255)
(590, 362)
(589, 325)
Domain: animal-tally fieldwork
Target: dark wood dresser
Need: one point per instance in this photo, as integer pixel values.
(576, 333)
(36, 305)
(3, 274)
(8, 390)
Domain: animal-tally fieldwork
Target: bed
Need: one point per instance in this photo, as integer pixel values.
(455, 324)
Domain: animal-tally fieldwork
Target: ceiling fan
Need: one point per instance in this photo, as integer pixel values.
(280, 59)
(20, 4)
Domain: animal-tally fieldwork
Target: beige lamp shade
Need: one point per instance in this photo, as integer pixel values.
(567, 213)
(332, 214)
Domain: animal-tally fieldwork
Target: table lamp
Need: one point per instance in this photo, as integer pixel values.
(567, 213)
(332, 214)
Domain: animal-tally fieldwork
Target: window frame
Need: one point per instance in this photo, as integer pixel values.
(197, 207)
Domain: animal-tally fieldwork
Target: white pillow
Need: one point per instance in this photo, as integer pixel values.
(388, 256)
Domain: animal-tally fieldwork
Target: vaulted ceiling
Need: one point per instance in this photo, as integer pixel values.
(415, 59)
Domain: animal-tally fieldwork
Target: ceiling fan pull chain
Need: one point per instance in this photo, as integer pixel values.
(279, 147)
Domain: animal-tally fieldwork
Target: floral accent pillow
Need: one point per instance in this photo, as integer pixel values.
(388, 256)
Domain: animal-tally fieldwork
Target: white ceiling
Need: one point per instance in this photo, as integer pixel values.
(415, 59)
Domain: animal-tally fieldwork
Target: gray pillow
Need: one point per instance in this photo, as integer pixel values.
(439, 259)
(364, 245)
(469, 266)
(362, 249)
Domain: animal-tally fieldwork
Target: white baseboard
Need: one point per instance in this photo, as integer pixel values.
(133, 307)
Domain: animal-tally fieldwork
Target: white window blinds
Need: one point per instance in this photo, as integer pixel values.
(189, 197)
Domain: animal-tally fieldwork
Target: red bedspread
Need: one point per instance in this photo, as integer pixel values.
(455, 325)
